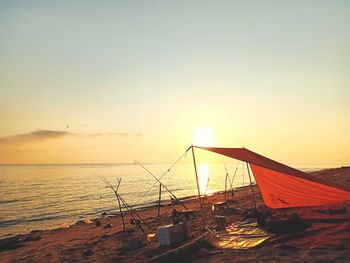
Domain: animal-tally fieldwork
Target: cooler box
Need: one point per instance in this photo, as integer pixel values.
(170, 234)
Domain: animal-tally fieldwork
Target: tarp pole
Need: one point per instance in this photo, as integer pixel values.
(226, 177)
(251, 186)
(159, 199)
(199, 191)
(226, 187)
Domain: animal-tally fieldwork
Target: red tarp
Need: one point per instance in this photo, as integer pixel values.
(282, 186)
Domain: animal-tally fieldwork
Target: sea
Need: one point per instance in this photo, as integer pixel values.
(40, 197)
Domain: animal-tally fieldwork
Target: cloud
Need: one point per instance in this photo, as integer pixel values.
(40, 135)
(123, 134)
(37, 135)
(44, 134)
(114, 134)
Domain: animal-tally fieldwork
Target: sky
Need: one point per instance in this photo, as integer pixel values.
(109, 81)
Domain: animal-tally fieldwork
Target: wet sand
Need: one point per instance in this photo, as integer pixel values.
(328, 239)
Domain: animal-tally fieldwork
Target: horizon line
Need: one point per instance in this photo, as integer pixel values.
(336, 165)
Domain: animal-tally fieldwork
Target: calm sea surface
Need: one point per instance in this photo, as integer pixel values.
(46, 196)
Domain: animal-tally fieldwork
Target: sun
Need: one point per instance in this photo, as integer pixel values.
(204, 137)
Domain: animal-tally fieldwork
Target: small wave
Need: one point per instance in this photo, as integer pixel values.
(30, 198)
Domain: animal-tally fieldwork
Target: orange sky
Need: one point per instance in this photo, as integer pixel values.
(108, 82)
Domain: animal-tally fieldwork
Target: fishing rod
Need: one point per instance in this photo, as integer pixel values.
(166, 188)
(160, 178)
(129, 209)
(230, 181)
(115, 190)
(131, 212)
(234, 175)
(205, 192)
(119, 180)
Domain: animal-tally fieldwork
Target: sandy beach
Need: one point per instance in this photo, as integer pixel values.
(167, 105)
(327, 240)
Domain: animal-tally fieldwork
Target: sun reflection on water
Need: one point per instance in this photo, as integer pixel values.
(204, 178)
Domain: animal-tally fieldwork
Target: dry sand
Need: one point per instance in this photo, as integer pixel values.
(328, 240)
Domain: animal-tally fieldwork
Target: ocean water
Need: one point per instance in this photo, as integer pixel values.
(34, 197)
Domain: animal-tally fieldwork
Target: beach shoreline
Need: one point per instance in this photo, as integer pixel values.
(85, 241)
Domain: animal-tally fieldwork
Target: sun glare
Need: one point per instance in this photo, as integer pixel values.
(203, 137)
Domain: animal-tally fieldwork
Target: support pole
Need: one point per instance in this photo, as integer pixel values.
(199, 191)
(119, 180)
(226, 187)
(159, 198)
(132, 215)
(243, 173)
(120, 211)
(125, 204)
(251, 186)
(226, 177)
(132, 210)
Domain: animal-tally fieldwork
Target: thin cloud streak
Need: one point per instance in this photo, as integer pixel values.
(42, 134)
(116, 134)
(37, 135)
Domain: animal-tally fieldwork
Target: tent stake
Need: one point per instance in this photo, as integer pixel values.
(251, 186)
(199, 191)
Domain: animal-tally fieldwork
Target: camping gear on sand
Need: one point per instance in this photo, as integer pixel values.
(186, 214)
(220, 222)
(219, 206)
(170, 234)
(277, 221)
(286, 223)
(151, 237)
(239, 235)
